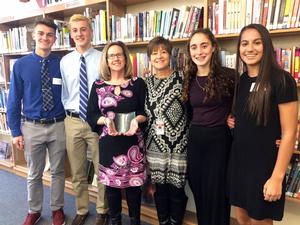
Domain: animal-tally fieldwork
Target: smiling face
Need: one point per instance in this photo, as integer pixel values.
(251, 49)
(44, 37)
(81, 33)
(116, 59)
(201, 51)
(160, 58)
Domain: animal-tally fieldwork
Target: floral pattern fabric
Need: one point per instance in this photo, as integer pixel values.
(122, 158)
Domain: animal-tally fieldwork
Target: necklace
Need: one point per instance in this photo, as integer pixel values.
(200, 86)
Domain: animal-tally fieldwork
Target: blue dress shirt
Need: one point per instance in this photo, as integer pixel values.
(25, 94)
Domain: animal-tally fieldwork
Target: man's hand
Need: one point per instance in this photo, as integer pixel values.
(19, 142)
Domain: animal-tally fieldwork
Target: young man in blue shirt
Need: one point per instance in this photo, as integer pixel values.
(79, 136)
(35, 117)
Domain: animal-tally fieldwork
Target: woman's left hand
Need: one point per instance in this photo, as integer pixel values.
(272, 189)
(134, 125)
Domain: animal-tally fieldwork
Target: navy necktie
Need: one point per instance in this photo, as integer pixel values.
(83, 89)
(47, 94)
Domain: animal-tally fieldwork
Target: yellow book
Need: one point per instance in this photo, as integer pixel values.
(103, 26)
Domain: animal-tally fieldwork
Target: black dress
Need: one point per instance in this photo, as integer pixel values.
(254, 151)
(122, 158)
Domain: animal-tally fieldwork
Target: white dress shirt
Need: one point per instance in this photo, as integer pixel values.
(69, 67)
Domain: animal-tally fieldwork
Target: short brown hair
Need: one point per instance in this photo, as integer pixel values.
(159, 41)
(47, 22)
(105, 70)
(80, 17)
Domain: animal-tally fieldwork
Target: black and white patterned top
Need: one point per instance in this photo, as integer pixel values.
(166, 154)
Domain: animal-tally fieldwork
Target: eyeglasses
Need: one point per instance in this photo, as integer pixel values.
(118, 55)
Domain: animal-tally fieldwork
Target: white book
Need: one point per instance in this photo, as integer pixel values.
(276, 13)
(249, 12)
(271, 2)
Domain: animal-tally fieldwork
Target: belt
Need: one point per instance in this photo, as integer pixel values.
(72, 114)
(44, 121)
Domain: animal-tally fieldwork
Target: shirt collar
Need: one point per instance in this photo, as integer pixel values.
(86, 53)
(39, 58)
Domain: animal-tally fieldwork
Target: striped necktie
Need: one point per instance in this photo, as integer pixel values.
(83, 89)
(47, 94)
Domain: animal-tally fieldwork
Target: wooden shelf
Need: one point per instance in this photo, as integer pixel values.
(76, 6)
(27, 16)
(144, 43)
(4, 132)
(273, 33)
(130, 2)
(6, 163)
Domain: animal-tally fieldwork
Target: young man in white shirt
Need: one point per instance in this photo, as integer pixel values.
(79, 137)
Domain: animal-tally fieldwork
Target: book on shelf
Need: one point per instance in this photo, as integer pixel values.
(12, 62)
(5, 151)
(63, 36)
(3, 98)
(3, 123)
(2, 74)
(292, 176)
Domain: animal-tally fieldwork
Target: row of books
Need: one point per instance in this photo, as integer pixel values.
(229, 16)
(171, 24)
(293, 178)
(17, 39)
(142, 67)
(289, 60)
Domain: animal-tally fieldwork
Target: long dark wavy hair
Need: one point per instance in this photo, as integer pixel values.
(220, 83)
(259, 100)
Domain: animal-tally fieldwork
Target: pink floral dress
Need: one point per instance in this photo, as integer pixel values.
(122, 158)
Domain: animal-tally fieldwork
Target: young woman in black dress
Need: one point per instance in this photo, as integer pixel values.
(209, 89)
(265, 109)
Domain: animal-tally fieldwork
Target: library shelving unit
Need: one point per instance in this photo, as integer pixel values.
(62, 11)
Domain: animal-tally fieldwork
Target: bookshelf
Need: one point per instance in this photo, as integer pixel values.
(282, 37)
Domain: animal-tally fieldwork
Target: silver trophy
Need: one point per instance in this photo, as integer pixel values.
(123, 120)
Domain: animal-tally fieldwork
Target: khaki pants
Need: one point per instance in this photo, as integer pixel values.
(79, 138)
(39, 138)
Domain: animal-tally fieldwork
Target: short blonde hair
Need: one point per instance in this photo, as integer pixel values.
(80, 17)
(104, 68)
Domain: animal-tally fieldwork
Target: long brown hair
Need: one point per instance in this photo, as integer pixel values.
(220, 82)
(259, 100)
